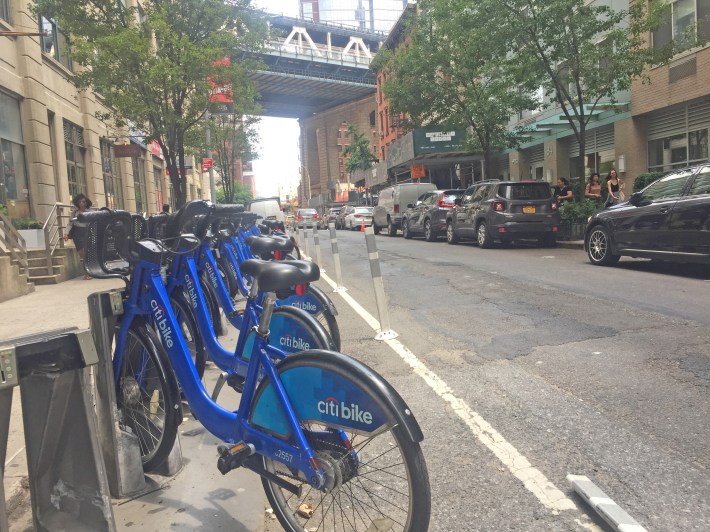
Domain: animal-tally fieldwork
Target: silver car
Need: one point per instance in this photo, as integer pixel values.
(306, 218)
(358, 217)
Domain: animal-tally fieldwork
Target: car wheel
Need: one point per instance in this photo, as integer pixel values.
(391, 229)
(429, 233)
(599, 247)
(482, 237)
(406, 233)
(451, 237)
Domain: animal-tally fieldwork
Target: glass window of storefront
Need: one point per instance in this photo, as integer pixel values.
(14, 191)
(139, 183)
(113, 182)
(677, 151)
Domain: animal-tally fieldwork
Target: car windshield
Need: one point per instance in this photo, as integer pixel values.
(307, 212)
(525, 191)
(364, 210)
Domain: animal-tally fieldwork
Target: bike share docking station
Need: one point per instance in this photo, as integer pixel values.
(120, 447)
(67, 478)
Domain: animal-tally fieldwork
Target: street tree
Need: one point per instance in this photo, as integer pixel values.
(358, 152)
(155, 66)
(448, 72)
(581, 54)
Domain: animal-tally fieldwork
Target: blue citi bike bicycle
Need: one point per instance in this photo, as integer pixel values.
(336, 447)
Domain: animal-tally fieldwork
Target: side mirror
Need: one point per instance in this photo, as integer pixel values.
(458, 202)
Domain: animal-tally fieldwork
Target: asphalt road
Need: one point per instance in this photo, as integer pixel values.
(531, 364)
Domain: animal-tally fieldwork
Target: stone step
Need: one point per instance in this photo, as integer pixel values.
(37, 271)
(46, 279)
(42, 261)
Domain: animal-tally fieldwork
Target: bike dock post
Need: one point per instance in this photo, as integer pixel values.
(336, 259)
(386, 333)
(8, 381)
(316, 243)
(67, 478)
(120, 448)
(305, 241)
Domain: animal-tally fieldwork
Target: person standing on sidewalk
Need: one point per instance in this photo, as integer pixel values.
(593, 190)
(77, 233)
(613, 188)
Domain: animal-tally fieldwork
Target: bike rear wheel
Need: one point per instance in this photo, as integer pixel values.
(147, 397)
(375, 479)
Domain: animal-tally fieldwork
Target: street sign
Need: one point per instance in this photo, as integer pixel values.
(206, 163)
(126, 150)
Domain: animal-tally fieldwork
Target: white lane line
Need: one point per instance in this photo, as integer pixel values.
(533, 479)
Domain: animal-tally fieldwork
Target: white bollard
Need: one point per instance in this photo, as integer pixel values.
(386, 333)
(316, 243)
(336, 259)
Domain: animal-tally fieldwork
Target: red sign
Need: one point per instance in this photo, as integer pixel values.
(188, 169)
(155, 150)
(206, 163)
(418, 171)
(221, 93)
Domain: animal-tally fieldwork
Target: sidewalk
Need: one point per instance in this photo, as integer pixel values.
(198, 497)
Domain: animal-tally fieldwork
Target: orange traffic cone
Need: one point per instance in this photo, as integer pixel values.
(362, 228)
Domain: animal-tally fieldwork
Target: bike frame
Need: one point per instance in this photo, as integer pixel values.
(148, 297)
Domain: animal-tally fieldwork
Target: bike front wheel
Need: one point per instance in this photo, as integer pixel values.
(375, 481)
(147, 396)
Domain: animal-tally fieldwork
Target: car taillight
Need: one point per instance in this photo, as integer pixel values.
(442, 203)
(298, 217)
(499, 206)
(396, 208)
(357, 215)
(315, 216)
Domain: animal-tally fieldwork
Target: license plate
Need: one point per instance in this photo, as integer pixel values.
(528, 209)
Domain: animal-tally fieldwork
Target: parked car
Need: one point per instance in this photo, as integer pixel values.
(667, 220)
(357, 217)
(306, 218)
(392, 202)
(340, 218)
(504, 211)
(268, 208)
(331, 215)
(289, 220)
(428, 215)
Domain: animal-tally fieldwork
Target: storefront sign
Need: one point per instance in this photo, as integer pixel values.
(436, 140)
(155, 149)
(126, 150)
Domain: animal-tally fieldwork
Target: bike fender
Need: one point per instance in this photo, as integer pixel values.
(321, 386)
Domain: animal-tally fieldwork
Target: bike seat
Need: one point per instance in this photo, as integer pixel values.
(273, 225)
(281, 275)
(266, 245)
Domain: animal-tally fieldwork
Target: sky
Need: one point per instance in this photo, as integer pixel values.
(277, 168)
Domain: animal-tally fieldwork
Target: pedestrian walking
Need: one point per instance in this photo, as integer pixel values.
(613, 187)
(76, 232)
(593, 190)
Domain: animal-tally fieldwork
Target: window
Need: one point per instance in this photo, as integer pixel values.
(75, 152)
(525, 191)
(113, 183)
(667, 187)
(701, 185)
(139, 183)
(678, 150)
(54, 42)
(5, 10)
(684, 21)
(13, 172)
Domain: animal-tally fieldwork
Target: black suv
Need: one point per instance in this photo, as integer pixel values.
(504, 211)
(428, 215)
(667, 220)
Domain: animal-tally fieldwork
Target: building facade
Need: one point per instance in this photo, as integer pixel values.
(53, 144)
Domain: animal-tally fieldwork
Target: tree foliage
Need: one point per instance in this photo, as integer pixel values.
(152, 66)
(449, 73)
(358, 152)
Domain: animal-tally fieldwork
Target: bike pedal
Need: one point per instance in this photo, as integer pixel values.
(233, 457)
(236, 382)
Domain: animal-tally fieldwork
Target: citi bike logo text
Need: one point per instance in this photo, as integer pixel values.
(332, 407)
(305, 305)
(294, 342)
(162, 322)
(233, 270)
(191, 291)
(210, 272)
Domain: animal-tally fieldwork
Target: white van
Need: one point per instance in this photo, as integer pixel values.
(268, 208)
(392, 202)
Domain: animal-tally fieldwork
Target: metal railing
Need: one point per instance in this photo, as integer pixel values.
(322, 52)
(13, 242)
(57, 219)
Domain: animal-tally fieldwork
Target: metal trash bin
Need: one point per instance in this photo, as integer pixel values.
(66, 472)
